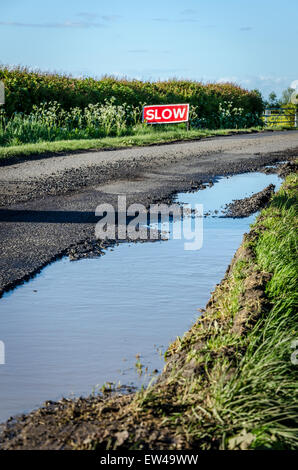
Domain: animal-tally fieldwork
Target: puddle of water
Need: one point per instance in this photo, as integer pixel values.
(88, 319)
(227, 189)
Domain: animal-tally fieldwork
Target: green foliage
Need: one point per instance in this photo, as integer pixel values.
(272, 100)
(50, 107)
(25, 89)
(240, 391)
(259, 403)
(143, 135)
(49, 122)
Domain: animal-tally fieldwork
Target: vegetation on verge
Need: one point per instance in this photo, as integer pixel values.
(231, 382)
(43, 107)
(25, 88)
(50, 122)
(145, 136)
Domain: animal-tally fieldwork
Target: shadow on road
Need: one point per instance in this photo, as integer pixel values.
(55, 217)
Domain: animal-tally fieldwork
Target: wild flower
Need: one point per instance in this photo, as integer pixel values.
(49, 121)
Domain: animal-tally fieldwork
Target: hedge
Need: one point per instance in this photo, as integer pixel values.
(25, 88)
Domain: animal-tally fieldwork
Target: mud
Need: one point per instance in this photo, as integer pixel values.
(244, 207)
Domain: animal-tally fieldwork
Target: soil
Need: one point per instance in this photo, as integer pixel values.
(244, 207)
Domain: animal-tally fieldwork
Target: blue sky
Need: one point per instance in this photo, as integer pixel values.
(253, 43)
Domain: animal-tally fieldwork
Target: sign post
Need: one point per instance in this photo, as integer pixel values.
(166, 114)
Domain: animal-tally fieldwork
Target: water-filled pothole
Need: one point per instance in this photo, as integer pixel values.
(79, 324)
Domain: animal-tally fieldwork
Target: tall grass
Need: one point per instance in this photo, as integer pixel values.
(259, 404)
(50, 122)
(262, 396)
(245, 393)
(143, 136)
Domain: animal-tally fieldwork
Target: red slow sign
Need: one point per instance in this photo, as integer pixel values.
(166, 113)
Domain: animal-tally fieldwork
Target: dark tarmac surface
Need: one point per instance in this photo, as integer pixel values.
(47, 206)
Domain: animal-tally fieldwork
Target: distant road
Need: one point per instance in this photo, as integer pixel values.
(58, 174)
(48, 204)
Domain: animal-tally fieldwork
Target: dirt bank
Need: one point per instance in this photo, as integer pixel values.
(249, 205)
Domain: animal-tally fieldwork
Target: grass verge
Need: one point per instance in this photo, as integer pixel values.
(107, 143)
(230, 379)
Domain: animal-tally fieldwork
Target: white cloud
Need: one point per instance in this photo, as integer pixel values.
(139, 51)
(264, 83)
(88, 20)
(188, 12)
(227, 80)
(162, 20)
(65, 24)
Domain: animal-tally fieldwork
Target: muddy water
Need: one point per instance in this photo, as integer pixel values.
(80, 324)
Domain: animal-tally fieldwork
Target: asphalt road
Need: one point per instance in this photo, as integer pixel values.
(47, 205)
